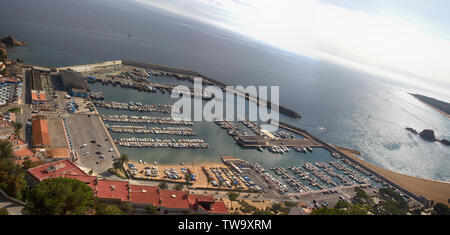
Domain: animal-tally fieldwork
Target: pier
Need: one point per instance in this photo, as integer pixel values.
(146, 119)
(161, 143)
(163, 108)
(183, 131)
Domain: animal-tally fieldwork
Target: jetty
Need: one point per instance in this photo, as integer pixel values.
(146, 119)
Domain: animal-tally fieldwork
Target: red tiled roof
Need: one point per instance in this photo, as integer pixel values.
(174, 199)
(57, 153)
(144, 194)
(112, 189)
(23, 152)
(40, 132)
(205, 198)
(32, 159)
(218, 208)
(60, 168)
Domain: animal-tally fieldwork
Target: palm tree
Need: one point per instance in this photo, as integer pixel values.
(124, 158)
(6, 152)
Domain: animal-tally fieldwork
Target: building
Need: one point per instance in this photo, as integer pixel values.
(40, 136)
(141, 196)
(22, 152)
(38, 97)
(74, 83)
(56, 154)
(53, 170)
(6, 130)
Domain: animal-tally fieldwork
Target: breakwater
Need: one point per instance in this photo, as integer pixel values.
(190, 75)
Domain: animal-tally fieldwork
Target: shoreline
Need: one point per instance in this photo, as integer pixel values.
(419, 188)
(191, 74)
(432, 106)
(438, 191)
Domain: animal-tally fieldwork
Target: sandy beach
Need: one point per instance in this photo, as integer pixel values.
(437, 191)
(201, 179)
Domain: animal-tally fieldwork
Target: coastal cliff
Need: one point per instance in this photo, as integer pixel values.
(5, 44)
(10, 41)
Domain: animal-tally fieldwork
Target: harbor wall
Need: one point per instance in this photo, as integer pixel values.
(281, 109)
(84, 68)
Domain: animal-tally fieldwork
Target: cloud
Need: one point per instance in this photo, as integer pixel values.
(318, 29)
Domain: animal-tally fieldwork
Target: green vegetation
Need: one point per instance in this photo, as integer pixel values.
(118, 165)
(127, 208)
(393, 203)
(4, 211)
(276, 209)
(17, 127)
(151, 210)
(27, 164)
(440, 209)
(11, 176)
(163, 185)
(14, 110)
(103, 209)
(233, 196)
(60, 196)
(178, 187)
(343, 208)
(115, 172)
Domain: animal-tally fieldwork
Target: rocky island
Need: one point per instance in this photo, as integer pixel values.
(428, 135)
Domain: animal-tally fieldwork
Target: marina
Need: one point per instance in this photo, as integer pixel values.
(131, 106)
(182, 131)
(146, 119)
(161, 143)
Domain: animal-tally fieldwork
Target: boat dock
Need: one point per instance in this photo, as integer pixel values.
(146, 119)
(183, 131)
(161, 143)
(163, 108)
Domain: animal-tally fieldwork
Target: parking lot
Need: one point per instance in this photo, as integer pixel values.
(90, 142)
(331, 199)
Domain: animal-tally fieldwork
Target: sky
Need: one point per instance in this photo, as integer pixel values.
(406, 40)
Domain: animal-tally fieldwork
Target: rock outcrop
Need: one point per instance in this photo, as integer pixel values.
(10, 41)
(428, 135)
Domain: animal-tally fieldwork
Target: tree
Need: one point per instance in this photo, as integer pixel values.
(6, 151)
(11, 176)
(178, 187)
(233, 196)
(127, 208)
(117, 165)
(17, 126)
(4, 211)
(60, 196)
(163, 185)
(103, 209)
(124, 159)
(151, 209)
(440, 209)
(27, 164)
